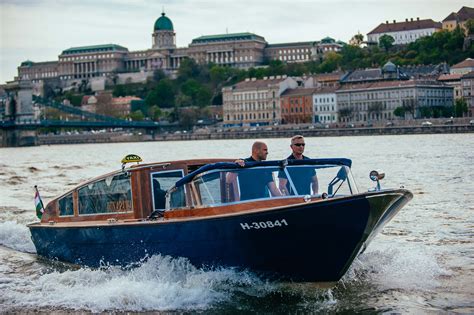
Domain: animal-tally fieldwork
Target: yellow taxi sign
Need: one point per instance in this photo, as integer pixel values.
(130, 158)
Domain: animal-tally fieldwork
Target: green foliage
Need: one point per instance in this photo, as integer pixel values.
(75, 99)
(155, 113)
(203, 97)
(201, 85)
(386, 42)
(460, 107)
(158, 75)
(399, 111)
(162, 95)
(137, 115)
(469, 26)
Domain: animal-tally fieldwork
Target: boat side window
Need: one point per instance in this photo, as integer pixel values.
(161, 182)
(109, 195)
(66, 207)
(220, 187)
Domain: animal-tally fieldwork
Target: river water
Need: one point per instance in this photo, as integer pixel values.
(422, 262)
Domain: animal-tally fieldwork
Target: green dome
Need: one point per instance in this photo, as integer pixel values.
(27, 63)
(389, 67)
(163, 23)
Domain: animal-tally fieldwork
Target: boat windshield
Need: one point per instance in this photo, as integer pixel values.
(222, 186)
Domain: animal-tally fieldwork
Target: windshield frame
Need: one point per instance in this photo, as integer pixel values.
(198, 198)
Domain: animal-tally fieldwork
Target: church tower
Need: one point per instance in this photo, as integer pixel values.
(163, 35)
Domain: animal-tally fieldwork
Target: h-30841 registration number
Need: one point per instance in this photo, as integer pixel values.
(264, 224)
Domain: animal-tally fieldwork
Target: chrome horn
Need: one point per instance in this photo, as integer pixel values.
(377, 176)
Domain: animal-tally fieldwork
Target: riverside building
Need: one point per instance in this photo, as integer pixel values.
(297, 106)
(376, 101)
(325, 109)
(255, 102)
(467, 83)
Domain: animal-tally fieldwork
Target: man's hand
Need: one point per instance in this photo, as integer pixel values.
(240, 162)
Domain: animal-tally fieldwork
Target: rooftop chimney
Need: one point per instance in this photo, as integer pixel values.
(406, 20)
(417, 18)
(386, 22)
(394, 21)
(412, 19)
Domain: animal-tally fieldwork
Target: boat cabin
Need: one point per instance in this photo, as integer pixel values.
(180, 189)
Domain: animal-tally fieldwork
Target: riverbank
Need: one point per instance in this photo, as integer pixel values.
(254, 134)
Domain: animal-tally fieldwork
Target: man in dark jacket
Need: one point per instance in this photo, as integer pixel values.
(303, 179)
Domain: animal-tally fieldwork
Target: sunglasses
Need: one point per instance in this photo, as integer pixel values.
(300, 144)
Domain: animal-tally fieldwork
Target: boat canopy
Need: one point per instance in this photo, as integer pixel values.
(279, 163)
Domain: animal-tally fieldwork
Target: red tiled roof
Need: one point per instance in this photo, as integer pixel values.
(464, 14)
(450, 77)
(451, 17)
(257, 83)
(328, 76)
(405, 26)
(468, 63)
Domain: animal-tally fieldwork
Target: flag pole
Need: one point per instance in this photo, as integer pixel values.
(39, 197)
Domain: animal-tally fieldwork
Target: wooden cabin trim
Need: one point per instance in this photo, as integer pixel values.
(234, 208)
(141, 186)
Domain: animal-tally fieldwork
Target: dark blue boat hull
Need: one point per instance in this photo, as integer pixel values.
(314, 241)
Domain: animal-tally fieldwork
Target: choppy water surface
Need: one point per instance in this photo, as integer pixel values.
(422, 262)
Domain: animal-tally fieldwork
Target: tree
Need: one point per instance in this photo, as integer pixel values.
(469, 26)
(162, 95)
(386, 42)
(158, 75)
(399, 112)
(155, 113)
(460, 107)
(331, 62)
(357, 40)
(203, 97)
(137, 115)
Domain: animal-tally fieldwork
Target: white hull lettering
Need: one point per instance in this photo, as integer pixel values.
(263, 225)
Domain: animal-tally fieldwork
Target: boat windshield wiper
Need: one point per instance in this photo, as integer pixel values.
(340, 177)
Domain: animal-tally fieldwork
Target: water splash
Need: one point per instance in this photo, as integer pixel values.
(161, 283)
(16, 236)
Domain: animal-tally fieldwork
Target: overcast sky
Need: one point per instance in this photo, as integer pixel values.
(39, 30)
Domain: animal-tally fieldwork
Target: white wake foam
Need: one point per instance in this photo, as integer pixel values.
(161, 283)
(16, 236)
(399, 266)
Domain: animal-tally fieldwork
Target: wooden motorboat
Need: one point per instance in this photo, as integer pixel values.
(217, 213)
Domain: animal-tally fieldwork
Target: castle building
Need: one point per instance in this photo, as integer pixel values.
(458, 19)
(404, 32)
(119, 65)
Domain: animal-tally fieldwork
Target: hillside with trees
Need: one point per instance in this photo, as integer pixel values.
(198, 85)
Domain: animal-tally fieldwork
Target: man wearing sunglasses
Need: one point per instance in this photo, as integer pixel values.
(306, 179)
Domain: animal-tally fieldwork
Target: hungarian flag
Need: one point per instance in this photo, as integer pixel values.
(38, 204)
